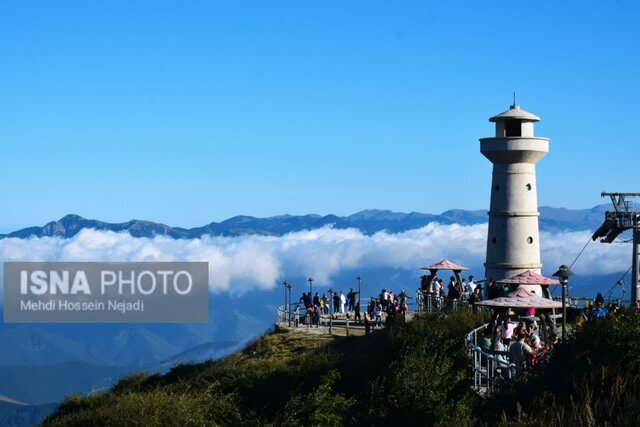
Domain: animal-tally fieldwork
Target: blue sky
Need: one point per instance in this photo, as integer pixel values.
(187, 112)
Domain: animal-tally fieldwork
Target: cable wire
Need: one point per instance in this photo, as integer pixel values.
(585, 247)
(618, 282)
(574, 261)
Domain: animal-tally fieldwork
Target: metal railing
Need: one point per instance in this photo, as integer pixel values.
(288, 315)
(489, 369)
(429, 302)
(581, 302)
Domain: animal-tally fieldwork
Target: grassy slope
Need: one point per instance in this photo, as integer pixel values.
(416, 371)
(415, 374)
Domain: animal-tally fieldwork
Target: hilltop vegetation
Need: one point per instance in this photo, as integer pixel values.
(414, 370)
(413, 374)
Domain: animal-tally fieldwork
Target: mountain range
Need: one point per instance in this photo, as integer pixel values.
(367, 221)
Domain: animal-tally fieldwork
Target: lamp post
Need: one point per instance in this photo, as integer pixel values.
(359, 279)
(287, 287)
(563, 275)
(310, 280)
(285, 299)
(330, 309)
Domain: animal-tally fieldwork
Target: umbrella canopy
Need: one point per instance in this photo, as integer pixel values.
(445, 264)
(520, 298)
(529, 278)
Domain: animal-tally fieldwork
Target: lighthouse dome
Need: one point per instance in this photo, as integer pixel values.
(515, 113)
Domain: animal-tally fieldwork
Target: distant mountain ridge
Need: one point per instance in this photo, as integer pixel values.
(367, 221)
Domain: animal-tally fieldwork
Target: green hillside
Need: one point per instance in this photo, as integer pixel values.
(413, 374)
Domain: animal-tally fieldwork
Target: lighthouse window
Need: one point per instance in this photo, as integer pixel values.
(494, 240)
(528, 187)
(497, 187)
(513, 128)
(530, 240)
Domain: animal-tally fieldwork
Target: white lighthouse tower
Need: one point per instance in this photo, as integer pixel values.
(513, 244)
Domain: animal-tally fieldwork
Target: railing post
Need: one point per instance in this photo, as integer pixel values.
(490, 366)
(473, 369)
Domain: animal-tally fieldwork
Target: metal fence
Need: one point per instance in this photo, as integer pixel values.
(489, 370)
(428, 302)
(581, 302)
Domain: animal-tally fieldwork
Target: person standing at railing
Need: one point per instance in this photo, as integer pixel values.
(599, 299)
(500, 351)
(297, 315)
(315, 316)
(465, 290)
(475, 297)
(356, 317)
(404, 306)
(485, 342)
(382, 298)
(378, 315)
(441, 288)
(452, 289)
(424, 283)
(351, 300)
(434, 287)
(600, 312)
(471, 284)
(336, 303)
(538, 350)
(371, 308)
(520, 352)
(325, 303)
(305, 299)
(507, 329)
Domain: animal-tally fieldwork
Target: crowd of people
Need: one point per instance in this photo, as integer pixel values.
(597, 310)
(457, 290)
(519, 342)
(516, 342)
(386, 307)
(388, 304)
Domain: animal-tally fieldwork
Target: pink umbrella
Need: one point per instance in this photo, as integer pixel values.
(529, 278)
(520, 298)
(445, 264)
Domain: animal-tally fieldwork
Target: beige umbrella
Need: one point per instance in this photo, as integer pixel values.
(529, 278)
(520, 298)
(445, 264)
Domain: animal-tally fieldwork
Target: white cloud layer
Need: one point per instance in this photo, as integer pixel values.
(238, 264)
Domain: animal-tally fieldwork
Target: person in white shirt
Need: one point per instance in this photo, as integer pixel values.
(471, 284)
(343, 301)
